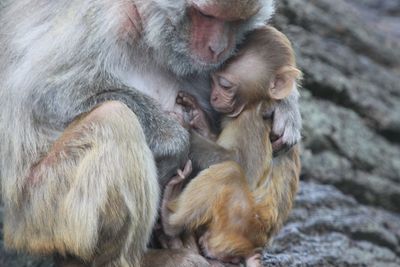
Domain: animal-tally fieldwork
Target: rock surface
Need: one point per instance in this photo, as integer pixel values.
(348, 209)
(347, 212)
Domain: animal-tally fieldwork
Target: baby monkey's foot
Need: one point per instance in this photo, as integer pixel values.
(171, 192)
(254, 261)
(174, 186)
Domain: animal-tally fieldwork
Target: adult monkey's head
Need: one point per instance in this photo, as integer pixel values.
(190, 36)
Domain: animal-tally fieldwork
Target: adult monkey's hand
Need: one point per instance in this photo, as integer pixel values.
(286, 124)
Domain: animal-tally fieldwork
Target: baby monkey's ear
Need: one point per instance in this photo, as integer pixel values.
(284, 82)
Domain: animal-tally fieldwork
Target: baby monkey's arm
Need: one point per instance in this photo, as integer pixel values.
(198, 119)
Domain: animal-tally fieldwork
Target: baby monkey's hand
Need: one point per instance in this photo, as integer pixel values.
(198, 120)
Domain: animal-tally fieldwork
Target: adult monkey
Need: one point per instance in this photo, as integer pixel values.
(79, 138)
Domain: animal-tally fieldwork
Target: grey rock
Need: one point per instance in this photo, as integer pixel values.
(343, 132)
(328, 228)
(339, 65)
(349, 52)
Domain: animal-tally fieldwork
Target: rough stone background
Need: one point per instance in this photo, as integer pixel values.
(347, 212)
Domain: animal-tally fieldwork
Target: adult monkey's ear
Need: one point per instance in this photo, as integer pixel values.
(284, 82)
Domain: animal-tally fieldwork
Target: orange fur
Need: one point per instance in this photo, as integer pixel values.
(240, 212)
(242, 203)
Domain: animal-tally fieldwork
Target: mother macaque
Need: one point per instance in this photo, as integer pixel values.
(86, 88)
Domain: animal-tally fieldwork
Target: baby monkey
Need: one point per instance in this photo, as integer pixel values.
(242, 195)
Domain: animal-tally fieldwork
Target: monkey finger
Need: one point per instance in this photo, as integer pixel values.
(171, 192)
(181, 175)
(187, 170)
(187, 108)
(279, 147)
(196, 112)
(186, 99)
(189, 101)
(172, 189)
(191, 98)
(176, 180)
(182, 93)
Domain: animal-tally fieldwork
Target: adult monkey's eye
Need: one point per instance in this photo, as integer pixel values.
(224, 83)
(205, 15)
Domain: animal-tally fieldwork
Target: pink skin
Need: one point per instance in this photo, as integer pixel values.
(223, 94)
(254, 261)
(223, 101)
(210, 39)
(132, 24)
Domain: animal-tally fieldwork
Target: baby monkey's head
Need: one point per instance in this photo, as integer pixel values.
(263, 69)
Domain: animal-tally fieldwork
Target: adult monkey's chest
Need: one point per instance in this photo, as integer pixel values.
(159, 84)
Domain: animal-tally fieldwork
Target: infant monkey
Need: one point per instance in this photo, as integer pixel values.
(242, 196)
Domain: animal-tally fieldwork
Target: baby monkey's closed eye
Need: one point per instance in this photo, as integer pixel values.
(224, 83)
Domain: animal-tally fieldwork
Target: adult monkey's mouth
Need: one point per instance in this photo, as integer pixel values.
(210, 38)
(213, 29)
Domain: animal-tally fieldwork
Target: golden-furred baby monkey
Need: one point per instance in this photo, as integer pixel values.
(242, 195)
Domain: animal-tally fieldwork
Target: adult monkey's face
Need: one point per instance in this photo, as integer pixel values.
(190, 36)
